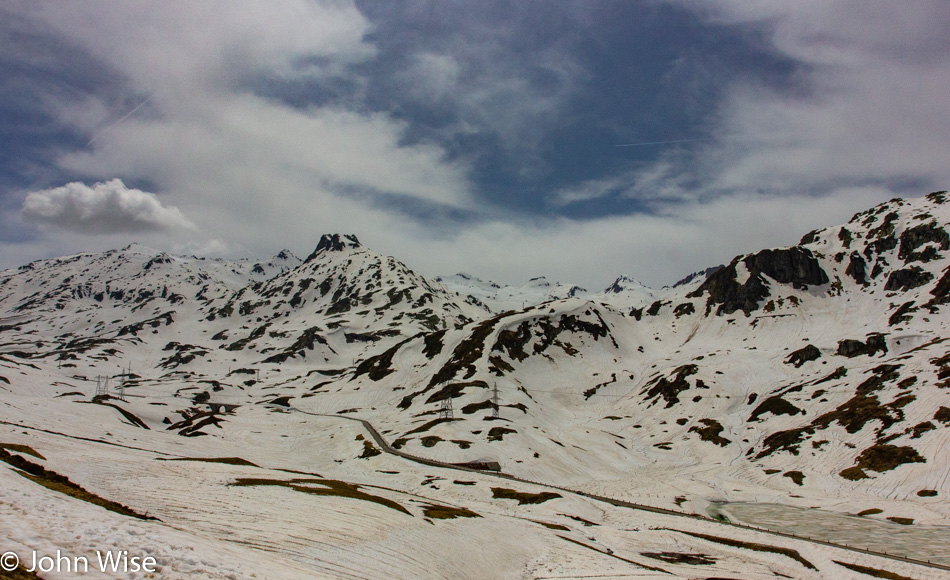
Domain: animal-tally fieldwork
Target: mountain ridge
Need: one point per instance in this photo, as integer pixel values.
(817, 370)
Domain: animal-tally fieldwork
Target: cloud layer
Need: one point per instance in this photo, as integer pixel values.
(478, 135)
(104, 208)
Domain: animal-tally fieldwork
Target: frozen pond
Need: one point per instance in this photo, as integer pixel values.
(919, 542)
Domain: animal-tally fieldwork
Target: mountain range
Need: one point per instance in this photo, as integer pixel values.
(816, 375)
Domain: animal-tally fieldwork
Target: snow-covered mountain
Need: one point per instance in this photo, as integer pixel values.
(814, 376)
(821, 366)
(499, 298)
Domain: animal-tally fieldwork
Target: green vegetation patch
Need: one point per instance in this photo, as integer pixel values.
(874, 572)
(788, 552)
(523, 497)
(16, 447)
(331, 487)
(60, 483)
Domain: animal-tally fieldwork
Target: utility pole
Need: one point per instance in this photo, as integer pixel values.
(121, 389)
(102, 386)
(445, 412)
(494, 401)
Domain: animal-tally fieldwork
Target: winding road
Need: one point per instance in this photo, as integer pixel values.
(386, 448)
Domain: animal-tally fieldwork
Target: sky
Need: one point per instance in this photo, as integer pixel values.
(579, 140)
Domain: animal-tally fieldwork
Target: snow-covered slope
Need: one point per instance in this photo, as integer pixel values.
(501, 298)
(813, 376)
(818, 369)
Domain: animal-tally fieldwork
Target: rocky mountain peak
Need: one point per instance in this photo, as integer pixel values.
(335, 243)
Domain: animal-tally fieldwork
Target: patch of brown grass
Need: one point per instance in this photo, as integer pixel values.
(523, 497)
(793, 554)
(872, 571)
(21, 449)
(331, 487)
(60, 483)
(444, 512)
(225, 460)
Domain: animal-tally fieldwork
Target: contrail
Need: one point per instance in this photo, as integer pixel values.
(663, 142)
(124, 117)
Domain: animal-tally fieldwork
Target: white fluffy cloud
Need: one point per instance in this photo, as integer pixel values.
(104, 208)
(869, 106)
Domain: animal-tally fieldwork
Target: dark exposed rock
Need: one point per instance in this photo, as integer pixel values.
(902, 314)
(334, 243)
(453, 390)
(851, 348)
(796, 266)
(710, 431)
(775, 405)
(810, 237)
(380, 366)
(915, 237)
(845, 236)
(907, 279)
(684, 309)
(433, 344)
(701, 274)
(593, 390)
(254, 335)
(921, 428)
(943, 415)
(670, 387)
(307, 340)
(941, 291)
(797, 476)
(803, 355)
(857, 269)
(513, 341)
(937, 197)
(498, 433)
(853, 415)
(881, 458)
